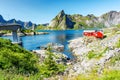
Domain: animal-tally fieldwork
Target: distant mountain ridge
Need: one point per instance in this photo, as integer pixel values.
(25, 25)
(64, 21)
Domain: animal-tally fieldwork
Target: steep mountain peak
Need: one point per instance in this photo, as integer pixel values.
(2, 19)
(110, 18)
(1, 16)
(61, 21)
(11, 21)
(61, 14)
(14, 20)
(30, 22)
(91, 16)
(113, 12)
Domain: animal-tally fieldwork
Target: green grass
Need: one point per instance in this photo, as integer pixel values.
(111, 75)
(107, 75)
(4, 75)
(6, 31)
(118, 44)
(40, 27)
(27, 31)
(93, 54)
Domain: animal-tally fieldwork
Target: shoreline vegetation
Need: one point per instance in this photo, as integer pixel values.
(18, 63)
(95, 59)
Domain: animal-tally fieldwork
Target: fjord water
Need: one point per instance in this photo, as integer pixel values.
(55, 36)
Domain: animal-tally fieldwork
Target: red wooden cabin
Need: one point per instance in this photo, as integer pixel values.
(95, 33)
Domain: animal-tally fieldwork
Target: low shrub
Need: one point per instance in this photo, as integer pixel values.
(16, 59)
(17, 63)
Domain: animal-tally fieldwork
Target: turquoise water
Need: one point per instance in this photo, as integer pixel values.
(60, 37)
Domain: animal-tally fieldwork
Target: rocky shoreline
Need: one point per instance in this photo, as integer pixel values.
(92, 53)
(93, 57)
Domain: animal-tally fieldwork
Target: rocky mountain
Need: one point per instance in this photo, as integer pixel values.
(1, 19)
(111, 18)
(26, 25)
(77, 21)
(61, 21)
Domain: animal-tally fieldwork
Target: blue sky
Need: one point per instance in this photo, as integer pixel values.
(43, 11)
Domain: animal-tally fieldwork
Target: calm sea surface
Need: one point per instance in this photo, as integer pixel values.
(60, 37)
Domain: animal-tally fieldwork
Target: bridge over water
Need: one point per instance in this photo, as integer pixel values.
(14, 28)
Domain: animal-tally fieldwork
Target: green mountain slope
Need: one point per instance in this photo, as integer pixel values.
(64, 21)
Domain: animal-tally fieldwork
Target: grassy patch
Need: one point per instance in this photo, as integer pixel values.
(118, 44)
(91, 54)
(107, 75)
(94, 54)
(4, 75)
(40, 27)
(110, 75)
(102, 52)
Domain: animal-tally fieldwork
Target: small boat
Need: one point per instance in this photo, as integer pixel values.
(95, 33)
